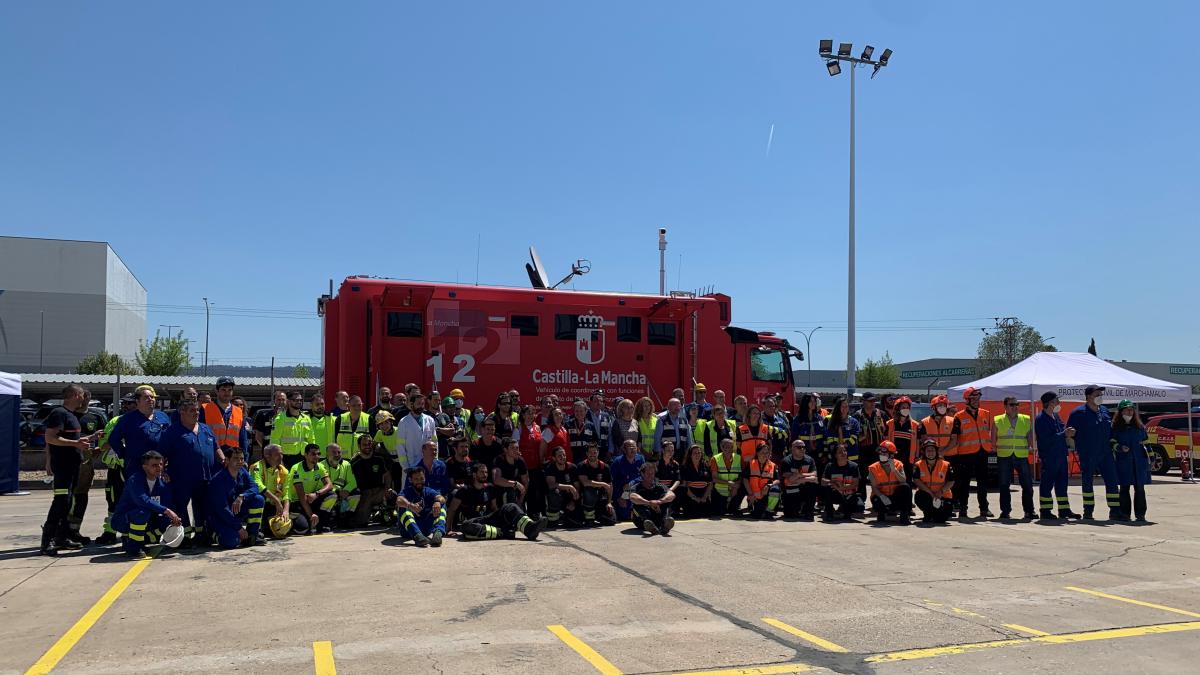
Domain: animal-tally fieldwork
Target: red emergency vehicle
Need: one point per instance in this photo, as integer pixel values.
(488, 339)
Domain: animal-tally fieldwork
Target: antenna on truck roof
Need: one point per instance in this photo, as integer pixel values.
(537, 271)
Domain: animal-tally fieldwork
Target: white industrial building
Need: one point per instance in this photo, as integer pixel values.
(61, 301)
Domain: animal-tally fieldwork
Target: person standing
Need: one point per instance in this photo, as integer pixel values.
(673, 426)
(384, 402)
(940, 427)
(780, 426)
(624, 428)
(320, 421)
(973, 432)
(712, 433)
(809, 426)
(416, 429)
(843, 429)
(114, 476)
(1052, 438)
(601, 421)
(91, 424)
(448, 425)
(1133, 464)
(352, 423)
(702, 407)
(139, 430)
(902, 430)
(190, 450)
(67, 450)
(1012, 435)
(226, 420)
(647, 429)
(800, 480)
(264, 420)
(1093, 436)
(934, 482)
(873, 426)
(580, 432)
(292, 430)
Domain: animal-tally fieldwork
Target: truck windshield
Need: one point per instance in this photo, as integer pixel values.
(767, 365)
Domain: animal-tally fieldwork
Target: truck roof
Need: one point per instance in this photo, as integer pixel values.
(375, 280)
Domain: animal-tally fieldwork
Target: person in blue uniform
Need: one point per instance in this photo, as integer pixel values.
(1052, 436)
(1133, 464)
(190, 449)
(235, 506)
(139, 430)
(422, 510)
(143, 512)
(1093, 436)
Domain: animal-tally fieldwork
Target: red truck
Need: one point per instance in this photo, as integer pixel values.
(487, 339)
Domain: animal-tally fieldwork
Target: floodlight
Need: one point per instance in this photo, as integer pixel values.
(826, 47)
(834, 67)
(867, 51)
(844, 48)
(883, 58)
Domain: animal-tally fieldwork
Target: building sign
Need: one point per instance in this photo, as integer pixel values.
(1185, 370)
(937, 372)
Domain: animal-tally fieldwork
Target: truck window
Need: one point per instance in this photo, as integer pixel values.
(526, 324)
(565, 326)
(629, 329)
(660, 333)
(404, 324)
(766, 365)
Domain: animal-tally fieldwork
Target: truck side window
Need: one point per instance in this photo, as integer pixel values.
(660, 333)
(526, 324)
(766, 365)
(565, 326)
(404, 324)
(629, 329)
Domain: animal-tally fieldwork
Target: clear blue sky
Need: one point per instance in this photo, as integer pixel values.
(249, 152)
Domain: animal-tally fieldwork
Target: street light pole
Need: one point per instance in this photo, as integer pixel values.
(808, 349)
(206, 337)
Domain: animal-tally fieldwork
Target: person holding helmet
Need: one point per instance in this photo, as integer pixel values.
(973, 442)
(226, 420)
(760, 479)
(190, 449)
(903, 431)
(235, 507)
(1133, 464)
(934, 480)
(271, 478)
(1052, 438)
(143, 514)
(889, 486)
(1012, 434)
(1093, 435)
(422, 510)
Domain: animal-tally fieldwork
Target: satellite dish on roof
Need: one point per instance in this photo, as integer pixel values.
(536, 270)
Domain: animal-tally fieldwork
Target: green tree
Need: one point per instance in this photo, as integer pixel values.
(1011, 342)
(104, 363)
(300, 371)
(164, 355)
(881, 374)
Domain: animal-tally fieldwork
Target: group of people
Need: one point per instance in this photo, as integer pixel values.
(434, 467)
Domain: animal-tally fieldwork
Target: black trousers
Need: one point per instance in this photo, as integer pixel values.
(688, 504)
(643, 513)
(844, 505)
(965, 468)
(799, 500)
(1139, 501)
(901, 501)
(595, 504)
(535, 494)
(925, 503)
(502, 522)
(64, 462)
(726, 506)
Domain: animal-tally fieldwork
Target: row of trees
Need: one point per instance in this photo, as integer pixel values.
(164, 355)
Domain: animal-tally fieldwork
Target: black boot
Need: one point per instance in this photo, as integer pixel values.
(47, 544)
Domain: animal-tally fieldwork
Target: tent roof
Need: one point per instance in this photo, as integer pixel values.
(1067, 374)
(10, 384)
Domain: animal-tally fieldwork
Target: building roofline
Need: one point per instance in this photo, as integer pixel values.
(107, 245)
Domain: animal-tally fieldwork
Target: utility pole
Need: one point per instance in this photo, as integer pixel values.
(42, 344)
(206, 337)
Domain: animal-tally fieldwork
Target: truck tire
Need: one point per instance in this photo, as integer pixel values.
(1160, 463)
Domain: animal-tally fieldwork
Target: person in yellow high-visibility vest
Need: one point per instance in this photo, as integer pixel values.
(1012, 436)
(292, 430)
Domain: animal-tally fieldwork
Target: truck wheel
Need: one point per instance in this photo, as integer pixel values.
(1159, 462)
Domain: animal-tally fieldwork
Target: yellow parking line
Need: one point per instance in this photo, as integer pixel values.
(1065, 638)
(1133, 602)
(590, 655)
(774, 669)
(820, 642)
(1025, 629)
(81, 627)
(323, 658)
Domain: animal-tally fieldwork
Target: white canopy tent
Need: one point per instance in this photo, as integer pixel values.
(10, 433)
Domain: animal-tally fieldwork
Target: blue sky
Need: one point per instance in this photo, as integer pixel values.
(250, 152)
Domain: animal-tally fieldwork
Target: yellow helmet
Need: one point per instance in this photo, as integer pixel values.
(279, 527)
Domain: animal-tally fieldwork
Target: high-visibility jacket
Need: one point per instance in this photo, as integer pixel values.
(974, 431)
(228, 435)
(730, 471)
(273, 480)
(292, 433)
(707, 437)
(647, 429)
(939, 429)
(468, 424)
(934, 477)
(1011, 438)
(389, 442)
(906, 433)
(342, 476)
(887, 482)
(748, 439)
(761, 476)
(310, 480)
(322, 432)
(346, 433)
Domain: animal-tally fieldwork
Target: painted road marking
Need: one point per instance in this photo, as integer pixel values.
(590, 655)
(1025, 629)
(60, 649)
(323, 658)
(1065, 638)
(820, 642)
(1133, 602)
(773, 669)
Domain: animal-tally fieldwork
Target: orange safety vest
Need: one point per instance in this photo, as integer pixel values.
(844, 484)
(939, 432)
(761, 477)
(887, 482)
(974, 433)
(750, 441)
(935, 478)
(228, 435)
(909, 434)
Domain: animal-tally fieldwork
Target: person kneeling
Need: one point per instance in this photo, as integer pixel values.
(651, 503)
(235, 506)
(342, 501)
(310, 484)
(141, 514)
(841, 486)
(760, 480)
(889, 487)
(934, 479)
(422, 510)
(562, 497)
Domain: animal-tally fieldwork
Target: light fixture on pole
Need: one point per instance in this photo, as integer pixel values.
(833, 65)
(808, 350)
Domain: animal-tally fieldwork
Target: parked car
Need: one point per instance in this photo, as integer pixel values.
(1168, 435)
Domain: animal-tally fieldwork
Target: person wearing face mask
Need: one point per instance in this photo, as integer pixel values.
(463, 413)
(1133, 464)
(1093, 433)
(890, 492)
(1012, 433)
(940, 427)
(934, 480)
(902, 430)
(1052, 436)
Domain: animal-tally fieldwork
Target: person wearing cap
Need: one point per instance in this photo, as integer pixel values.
(226, 420)
(1052, 437)
(383, 402)
(840, 480)
(387, 443)
(1093, 436)
(461, 411)
(1133, 464)
(144, 510)
(292, 429)
(902, 430)
(114, 479)
(933, 479)
(422, 510)
(973, 434)
(798, 472)
(702, 407)
(449, 426)
(890, 492)
(651, 503)
(235, 506)
(190, 450)
(1012, 435)
(139, 430)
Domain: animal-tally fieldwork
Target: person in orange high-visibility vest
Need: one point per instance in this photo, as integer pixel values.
(761, 480)
(902, 430)
(889, 486)
(934, 481)
(226, 421)
(940, 427)
(973, 436)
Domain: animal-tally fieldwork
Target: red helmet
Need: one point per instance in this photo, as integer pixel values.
(940, 399)
(903, 400)
(888, 445)
(971, 391)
